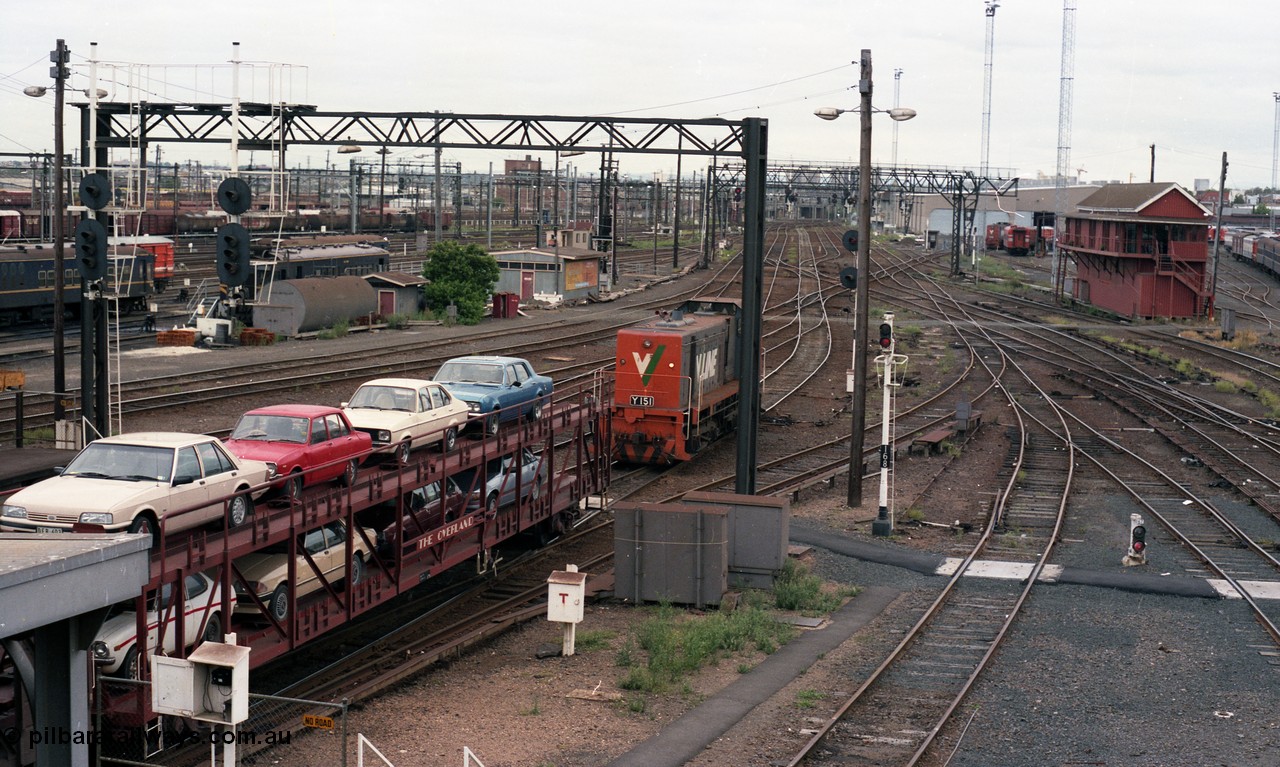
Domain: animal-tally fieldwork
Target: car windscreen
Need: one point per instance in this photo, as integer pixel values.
(114, 461)
(271, 428)
(383, 398)
(470, 372)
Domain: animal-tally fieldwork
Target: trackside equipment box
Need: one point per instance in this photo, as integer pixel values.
(758, 530)
(670, 552)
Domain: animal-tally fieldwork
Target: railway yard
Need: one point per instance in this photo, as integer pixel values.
(998, 624)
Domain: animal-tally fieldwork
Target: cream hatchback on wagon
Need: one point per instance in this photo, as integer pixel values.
(131, 482)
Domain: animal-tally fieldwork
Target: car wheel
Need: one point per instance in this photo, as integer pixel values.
(357, 569)
(279, 604)
(241, 508)
(213, 629)
(349, 474)
(491, 425)
(535, 412)
(402, 452)
(450, 440)
(129, 666)
(143, 524)
(491, 505)
(293, 485)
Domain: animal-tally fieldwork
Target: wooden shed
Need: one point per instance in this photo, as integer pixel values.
(398, 292)
(550, 274)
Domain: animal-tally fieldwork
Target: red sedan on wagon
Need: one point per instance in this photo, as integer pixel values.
(308, 444)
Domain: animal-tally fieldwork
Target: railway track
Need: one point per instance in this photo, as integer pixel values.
(897, 713)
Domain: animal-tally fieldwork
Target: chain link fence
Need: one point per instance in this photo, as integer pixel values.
(126, 733)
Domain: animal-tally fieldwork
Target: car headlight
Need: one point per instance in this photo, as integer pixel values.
(253, 587)
(96, 518)
(101, 653)
(273, 471)
(17, 512)
(384, 436)
(474, 407)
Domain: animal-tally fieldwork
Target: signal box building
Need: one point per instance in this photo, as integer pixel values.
(1141, 250)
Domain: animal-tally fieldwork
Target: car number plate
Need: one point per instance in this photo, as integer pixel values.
(50, 530)
(640, 400)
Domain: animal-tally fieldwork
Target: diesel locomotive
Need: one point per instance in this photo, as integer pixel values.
(675, 385)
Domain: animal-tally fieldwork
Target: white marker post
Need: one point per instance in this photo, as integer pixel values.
(566, 596)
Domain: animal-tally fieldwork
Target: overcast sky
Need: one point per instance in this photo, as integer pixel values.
(1195, 79)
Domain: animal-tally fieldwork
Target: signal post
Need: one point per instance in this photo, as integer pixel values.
(890, 367)
(1137, 554)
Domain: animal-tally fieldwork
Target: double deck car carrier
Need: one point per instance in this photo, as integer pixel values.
(570, 440)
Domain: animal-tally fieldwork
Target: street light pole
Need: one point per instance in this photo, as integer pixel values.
(59, 238)
(863, 290)
(864, 286)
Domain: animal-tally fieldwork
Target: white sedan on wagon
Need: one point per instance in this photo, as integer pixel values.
(131, 482)
(115, 648)
(402, 414)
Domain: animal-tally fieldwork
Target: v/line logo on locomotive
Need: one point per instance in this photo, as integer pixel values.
(648, 363)
(705, 366)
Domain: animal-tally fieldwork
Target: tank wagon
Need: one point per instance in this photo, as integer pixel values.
(675, 382)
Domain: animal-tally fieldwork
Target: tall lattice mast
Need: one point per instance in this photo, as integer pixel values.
(1065, 85)
(991, 6)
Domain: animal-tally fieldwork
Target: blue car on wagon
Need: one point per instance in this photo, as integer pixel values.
(496, 389)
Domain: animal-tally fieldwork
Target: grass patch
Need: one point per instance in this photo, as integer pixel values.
(592, 640)
(808, 698)
(677, 645)
(338, 330)
(797, 589)
(38, 434)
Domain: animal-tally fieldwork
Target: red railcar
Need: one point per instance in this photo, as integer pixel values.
(994, 233)
(1017, 240)
(160, 247)
(675, 386)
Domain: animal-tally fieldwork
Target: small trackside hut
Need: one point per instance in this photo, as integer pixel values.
(676, 386)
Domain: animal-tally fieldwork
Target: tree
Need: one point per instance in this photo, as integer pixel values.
(463, 275)
(1238, 200)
